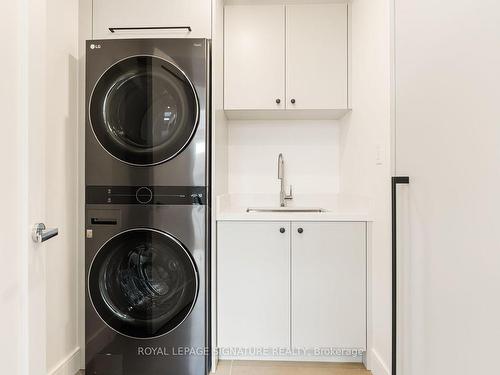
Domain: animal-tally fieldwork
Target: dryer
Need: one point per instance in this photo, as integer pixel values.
(148, 109)
(147, 273)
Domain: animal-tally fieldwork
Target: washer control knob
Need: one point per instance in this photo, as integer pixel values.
(144, 195)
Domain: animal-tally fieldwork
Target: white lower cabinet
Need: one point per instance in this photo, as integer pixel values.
(291, 285)
(329, 285)
(253, 284)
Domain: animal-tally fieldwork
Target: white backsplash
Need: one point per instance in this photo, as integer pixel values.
(311, 150)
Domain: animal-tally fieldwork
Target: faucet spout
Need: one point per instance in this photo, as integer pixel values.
(280, 167)
(281, 176)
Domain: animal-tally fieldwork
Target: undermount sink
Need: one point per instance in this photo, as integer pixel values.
(286, 209)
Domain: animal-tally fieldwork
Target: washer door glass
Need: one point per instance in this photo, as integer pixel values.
(143, 283)
(144, 110)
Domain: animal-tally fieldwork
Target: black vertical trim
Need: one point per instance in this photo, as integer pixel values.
(395, 182)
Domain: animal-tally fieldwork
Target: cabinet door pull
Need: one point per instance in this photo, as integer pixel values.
(282, 230)
(188, 28)
(292, 101)
(300, 230)
(278, 101)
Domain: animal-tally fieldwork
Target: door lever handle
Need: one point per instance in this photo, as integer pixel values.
(41, 234)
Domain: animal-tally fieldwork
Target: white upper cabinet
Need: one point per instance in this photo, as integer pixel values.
(195, 14)
(286, 61)
(254, 57)
(316, 56)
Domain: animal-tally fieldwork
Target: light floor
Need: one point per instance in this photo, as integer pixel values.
(289, 368)
(286, 368)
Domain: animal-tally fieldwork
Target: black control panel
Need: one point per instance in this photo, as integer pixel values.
(166, 195)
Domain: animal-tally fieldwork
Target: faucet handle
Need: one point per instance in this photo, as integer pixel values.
(290, 195)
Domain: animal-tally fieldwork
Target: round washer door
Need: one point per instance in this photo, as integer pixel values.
(144, 110)
(143, 283)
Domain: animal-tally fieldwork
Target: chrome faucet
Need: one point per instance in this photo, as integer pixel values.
(281, 176)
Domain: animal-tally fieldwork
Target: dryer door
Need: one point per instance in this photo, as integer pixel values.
(143, 283)
(144, 110)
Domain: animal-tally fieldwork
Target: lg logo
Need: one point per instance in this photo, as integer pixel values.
(95, 46)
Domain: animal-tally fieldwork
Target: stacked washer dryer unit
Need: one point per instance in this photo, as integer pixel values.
(147, 207)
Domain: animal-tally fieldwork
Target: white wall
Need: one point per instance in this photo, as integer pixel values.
(310, 149)
(219, 143)
(365, 158)
(84, 33)
(61, 193)
(13, 343)
(219, 125)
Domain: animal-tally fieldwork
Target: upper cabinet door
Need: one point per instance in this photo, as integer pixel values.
(254, 57)
(316, 49)
(195, 14)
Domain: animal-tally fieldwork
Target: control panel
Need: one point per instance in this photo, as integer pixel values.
(166, 195)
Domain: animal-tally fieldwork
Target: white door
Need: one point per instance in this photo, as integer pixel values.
(329, 285)
(447, 119)
(22, 93)
(316, 56)
(254, 57)
(253, 281)
(38, 104)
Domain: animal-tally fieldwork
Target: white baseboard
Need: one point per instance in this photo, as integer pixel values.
(297, 358)
(69, 365)
(378, 366)
(215, 362)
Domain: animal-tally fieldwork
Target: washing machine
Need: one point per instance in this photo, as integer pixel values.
(147, 285)
(148, 110)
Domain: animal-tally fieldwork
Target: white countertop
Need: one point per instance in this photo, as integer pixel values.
(233, 207)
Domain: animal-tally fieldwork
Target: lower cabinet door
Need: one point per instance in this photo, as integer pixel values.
(329, 285)
(253, 285)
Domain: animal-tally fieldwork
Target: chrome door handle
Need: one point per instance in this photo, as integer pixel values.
(41, 234)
